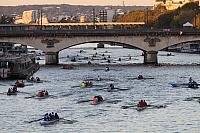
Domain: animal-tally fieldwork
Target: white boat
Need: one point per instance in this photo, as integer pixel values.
(49, 122)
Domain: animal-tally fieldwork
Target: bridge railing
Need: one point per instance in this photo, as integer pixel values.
(36, 30)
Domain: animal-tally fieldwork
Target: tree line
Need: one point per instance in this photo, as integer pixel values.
(160, 17)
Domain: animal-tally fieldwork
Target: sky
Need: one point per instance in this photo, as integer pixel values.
(77, 2)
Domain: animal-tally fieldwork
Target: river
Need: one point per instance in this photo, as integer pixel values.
(179, 115)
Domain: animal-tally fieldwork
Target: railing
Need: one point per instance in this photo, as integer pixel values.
(35, 30)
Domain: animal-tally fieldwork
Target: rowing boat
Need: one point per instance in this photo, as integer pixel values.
(11, 93)
(49, 122)
(183, 85)
(140, 79)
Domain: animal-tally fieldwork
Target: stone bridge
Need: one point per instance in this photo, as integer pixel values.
(53, 41)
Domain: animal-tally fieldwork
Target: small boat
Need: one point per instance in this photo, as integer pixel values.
(141, 108)
(11, 93)
(36, 81)
(97, 103)
(141, 79)
(43, 97)
(68, 66)
(49, 122)
(20, 84)
(186, 85)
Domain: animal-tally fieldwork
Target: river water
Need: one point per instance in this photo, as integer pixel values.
(179, 116)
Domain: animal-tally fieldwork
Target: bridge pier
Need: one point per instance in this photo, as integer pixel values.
(150, 57)
(100, 45)
(51, 58)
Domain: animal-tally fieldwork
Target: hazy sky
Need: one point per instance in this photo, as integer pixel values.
(75, 2)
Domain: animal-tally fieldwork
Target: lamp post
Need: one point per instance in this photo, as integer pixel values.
(41, 19)
(147, 16)
(195, 19)
(93, 16)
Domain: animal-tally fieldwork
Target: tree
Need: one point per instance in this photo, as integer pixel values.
(4, 19)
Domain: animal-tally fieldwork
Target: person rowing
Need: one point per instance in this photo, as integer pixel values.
(190, 80)
(111, 87)
(98, 78)
(51, 117)
(140, 77)
(192, 83)
(37, 79)
(14, 88)
(46, 93)
(107, 68)
(97, 99)
(142, 103)
(40, 94)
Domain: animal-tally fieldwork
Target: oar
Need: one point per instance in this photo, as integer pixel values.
(36, 120)
(84, 101)
(126, 107)
(30, 97)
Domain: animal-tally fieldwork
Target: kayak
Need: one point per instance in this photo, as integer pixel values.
(49, 122)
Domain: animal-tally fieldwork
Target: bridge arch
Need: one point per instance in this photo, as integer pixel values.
(174, 40)
(105, 42)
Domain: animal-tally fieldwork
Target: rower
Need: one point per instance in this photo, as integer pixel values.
(46, 93)
(32, 78)
(9, 90)
(97, 99)
(15, 88)
(37, 79)
(190, 80)
(107, 68)
(98, 79)
(142, 104)
(111, 87)
(83, 84)
(46, 117)
(40, 94)
(140, 77)
(56, 116)
(17, 82)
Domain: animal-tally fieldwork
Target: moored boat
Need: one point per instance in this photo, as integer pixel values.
(16, 62)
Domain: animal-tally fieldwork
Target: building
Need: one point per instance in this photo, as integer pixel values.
(30, 16)
(173, 4)
(82, 19)
(107, 15)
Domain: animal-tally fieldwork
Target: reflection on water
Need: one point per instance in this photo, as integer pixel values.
(180, 115)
